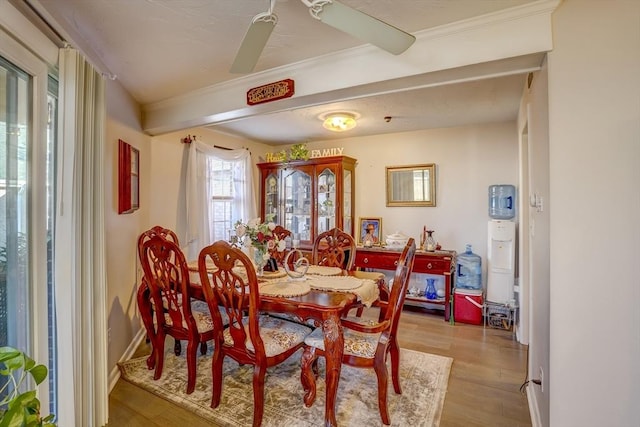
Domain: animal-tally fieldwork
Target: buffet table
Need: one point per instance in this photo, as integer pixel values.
(441, 263)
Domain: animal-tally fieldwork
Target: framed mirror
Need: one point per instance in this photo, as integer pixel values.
(413, 185)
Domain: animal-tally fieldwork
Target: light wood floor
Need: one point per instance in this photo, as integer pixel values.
(488, 369)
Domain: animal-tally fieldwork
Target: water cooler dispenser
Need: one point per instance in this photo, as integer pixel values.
(501, 249)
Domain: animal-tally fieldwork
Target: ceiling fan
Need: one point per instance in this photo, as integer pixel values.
(331, 12)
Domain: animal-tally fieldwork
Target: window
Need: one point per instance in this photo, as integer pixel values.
(219, 193)
(222, 199)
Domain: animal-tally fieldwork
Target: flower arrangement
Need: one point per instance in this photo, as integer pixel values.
(260, 236)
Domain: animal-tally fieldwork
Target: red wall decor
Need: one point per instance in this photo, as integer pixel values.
(128, 178)
(270, 92)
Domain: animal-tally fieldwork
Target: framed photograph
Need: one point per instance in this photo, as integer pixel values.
(370, 231)
(128, 178)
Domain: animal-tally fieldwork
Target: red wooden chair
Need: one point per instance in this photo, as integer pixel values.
(367, 343)
(334, 248)
(143, 297)
(281, 233)
(175, 312)
(252, 338)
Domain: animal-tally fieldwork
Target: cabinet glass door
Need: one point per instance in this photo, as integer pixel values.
(326, 200)
(297, 203)
(347, 211)
(271, 198)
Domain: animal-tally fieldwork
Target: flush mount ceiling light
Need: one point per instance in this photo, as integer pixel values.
(339, 121)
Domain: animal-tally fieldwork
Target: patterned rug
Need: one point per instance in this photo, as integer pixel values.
(424, 380)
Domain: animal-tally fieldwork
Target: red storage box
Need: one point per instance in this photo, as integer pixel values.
(467, 306)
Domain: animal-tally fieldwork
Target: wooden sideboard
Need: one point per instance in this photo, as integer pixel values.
(441, 263)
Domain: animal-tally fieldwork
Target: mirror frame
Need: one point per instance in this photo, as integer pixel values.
(391, 201)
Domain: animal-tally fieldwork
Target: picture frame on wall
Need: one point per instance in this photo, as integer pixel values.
(370, 231)
(128, 178)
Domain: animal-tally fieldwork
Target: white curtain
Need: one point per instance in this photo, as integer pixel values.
(199, 192)
(80, 273)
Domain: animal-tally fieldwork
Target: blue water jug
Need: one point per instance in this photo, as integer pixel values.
(469, 270)
(502, 201)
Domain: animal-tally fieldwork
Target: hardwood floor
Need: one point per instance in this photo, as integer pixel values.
(489, 367)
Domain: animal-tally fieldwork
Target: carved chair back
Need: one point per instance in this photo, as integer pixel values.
(167, 276)
(334, 248)
(281, 233)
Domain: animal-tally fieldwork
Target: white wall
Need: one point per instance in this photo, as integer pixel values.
(122, 230)
(594, 132)
(468, 160)
(534, 282)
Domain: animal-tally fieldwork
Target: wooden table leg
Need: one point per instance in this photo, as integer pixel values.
(334, 347)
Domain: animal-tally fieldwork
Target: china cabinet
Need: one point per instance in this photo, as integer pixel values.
(437, 265)
(309, 197)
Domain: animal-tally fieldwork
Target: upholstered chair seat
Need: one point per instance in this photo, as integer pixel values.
(201, 314)
(278, 335)
(356, 343)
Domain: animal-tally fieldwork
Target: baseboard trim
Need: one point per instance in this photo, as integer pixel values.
(114, 375)
(534, 411)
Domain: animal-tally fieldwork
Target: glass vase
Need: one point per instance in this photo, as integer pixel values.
(259, 260)
(430, 242)
(430, 292)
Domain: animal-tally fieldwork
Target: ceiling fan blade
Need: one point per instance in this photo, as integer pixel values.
(252, 45)
(365, 27)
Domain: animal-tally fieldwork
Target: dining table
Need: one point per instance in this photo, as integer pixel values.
(323, 295)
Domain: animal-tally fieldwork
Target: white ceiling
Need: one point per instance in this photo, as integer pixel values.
(160, 49)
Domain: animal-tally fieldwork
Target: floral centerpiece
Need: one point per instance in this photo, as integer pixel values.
(259, 236)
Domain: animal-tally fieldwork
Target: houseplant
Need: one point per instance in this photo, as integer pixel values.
(20, 408)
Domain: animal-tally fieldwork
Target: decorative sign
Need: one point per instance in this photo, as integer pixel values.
(327, 152)
(313, 154)
(276, 157)
(270, 92)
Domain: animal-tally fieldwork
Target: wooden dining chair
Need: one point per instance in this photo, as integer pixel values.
(251, 338)
(281, 233)
(143, 297)
(334, 248)
(367, 343)
(176, 313)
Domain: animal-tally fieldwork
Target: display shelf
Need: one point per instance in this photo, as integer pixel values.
(310, 196)
(430, 264)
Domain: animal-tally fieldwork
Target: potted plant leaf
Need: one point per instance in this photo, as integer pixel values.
(18, 407)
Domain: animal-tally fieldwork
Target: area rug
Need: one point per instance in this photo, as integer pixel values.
(424, 379)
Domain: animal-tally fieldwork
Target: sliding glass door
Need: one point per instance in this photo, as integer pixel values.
(14, 230)
(27, 142)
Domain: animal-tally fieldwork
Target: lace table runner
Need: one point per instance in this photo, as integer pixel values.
(276, 283)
